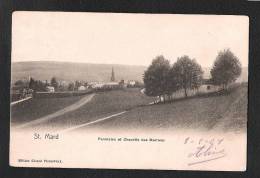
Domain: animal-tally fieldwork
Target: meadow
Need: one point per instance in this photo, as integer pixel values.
(223, 111)
(38, 107)
(103, 104)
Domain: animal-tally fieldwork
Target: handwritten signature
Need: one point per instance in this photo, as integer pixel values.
(205, 150)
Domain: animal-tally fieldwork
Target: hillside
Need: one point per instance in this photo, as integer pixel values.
(75, 71)
(224, 112)
(36, 108)
(85, 71)
(102, 104)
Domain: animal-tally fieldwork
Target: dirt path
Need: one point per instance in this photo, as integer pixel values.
(67, 109)
(92, 122)
(22, 100)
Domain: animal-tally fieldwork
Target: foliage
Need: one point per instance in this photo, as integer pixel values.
(54, 83)
(187, 74)
(77, 84)
(160, 79)
(156, 77)
(20, 83)
(37, 85)
(226, 68)
(71, 86)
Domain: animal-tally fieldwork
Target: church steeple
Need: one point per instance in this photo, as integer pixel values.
(113, 75)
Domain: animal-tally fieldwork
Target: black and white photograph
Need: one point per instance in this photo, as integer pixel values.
(129, 91)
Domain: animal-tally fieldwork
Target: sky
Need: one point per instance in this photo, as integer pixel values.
(133, 39)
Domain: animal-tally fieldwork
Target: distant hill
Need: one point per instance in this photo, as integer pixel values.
(69, 71)
(75, 71)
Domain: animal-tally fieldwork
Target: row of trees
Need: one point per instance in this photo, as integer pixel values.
(38, 85)
(162, 79)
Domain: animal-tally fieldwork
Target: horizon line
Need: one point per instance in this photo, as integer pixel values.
(139, 65)
(79, 62)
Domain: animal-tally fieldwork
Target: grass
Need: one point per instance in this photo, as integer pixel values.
(103, 104)
(38, 107)
(226, 111)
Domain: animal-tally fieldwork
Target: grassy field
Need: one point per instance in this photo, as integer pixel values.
(36, 108)
(225, 112)
(215, 111)
(103, 104)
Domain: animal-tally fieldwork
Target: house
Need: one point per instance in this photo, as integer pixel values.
(97, 85)
(122, 84)
(50, 89)
(208, 88)
(81, 88)
(132, 83)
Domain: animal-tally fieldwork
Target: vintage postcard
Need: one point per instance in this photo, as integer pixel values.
(129, 91)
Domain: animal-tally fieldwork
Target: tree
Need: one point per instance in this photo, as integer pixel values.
(226, 68)
(54, 83)
(32, 84)
(77, 84)
(187, 74)
(172, 84)
(37, 85)
(19, 83)
(40, 86)
(156, 77)
(197, 75)
(71, 87)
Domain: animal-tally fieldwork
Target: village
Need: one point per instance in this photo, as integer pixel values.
(28, 88)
